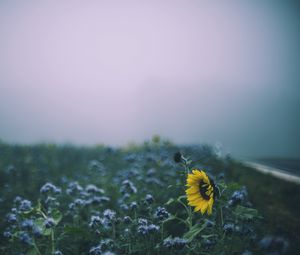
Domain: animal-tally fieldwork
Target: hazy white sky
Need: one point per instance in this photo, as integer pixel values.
(116, 71)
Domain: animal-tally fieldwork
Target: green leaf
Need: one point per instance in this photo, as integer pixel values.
(246, 213)
(170, 201)
(172, 217)
(193, 232)
(39, 222)
(222, 185)
(209, 236)
(39, 205)
(189, 162)
(181, 197)
(233, 186)
(56, 215)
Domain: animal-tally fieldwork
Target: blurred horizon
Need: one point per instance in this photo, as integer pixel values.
(114, 72)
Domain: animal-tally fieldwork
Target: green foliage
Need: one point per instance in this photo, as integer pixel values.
(245, 213)
(193, 232)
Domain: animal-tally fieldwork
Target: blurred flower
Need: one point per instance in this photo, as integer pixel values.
(133, 205)
(50, 188)
(79, 202)
(161, 213)
(95, 200)
(142, 221)
(49, 223)
(153, 181)
(17, 200)
(109, 214)
(149, 198)
(145, 229)
(96, 250)
(126, 232)
(151, 172)
(238, 196)
(58, 253)
(25, 205)
(176, 243)
(25, 238)
(27, 224)
(276, 245)
(153, 228)
(131, 157)
(124, 207)
(11, 218)
(125, 196)
(208, 243)
(128, 187)
(73, 187)
(95, 165)
(229, 228)
(7, 234)
(37, 231)
(99, 249)
(14, 210)
(127, 219)
(201, 191)
(95, 221)
(91, 188)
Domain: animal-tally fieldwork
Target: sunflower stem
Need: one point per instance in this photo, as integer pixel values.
(188, 221)
(190, 218)
(52, 241)
(221, 212)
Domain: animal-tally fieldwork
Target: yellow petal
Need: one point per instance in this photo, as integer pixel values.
(194, 197)
(196, 200)
(193, 182)
(194, 203)
(211, 201)
(209, 210)
(204, 208)
(197, 208)
(205, 177)
(192, 189)
(196, 172)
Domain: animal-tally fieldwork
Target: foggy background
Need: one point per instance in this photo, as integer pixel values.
(113, 72)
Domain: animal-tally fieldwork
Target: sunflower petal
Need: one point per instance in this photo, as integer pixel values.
(204, 208)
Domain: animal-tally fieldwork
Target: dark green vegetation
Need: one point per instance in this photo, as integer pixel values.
(277, 200)
(144, 183)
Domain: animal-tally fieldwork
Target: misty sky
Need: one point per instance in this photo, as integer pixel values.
(112, 72)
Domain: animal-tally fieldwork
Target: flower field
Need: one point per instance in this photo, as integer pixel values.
(155, 198)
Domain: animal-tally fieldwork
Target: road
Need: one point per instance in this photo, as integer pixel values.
(286, 169)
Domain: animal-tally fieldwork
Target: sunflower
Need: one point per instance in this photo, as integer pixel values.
(200, 192)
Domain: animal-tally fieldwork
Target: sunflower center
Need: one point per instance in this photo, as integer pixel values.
(203, 188)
